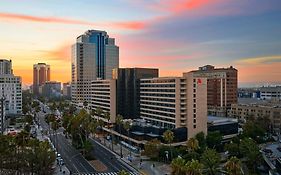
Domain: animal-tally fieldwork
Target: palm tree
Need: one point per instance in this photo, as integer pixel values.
(169, 137)
(119, 122)
(233, 166)
(192, 144)
(178, 166)
(107, 117)
(127, 126)
(55, 127)
(193, 167)
(211, 160)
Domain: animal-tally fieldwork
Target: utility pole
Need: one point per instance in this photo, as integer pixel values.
(2, 99)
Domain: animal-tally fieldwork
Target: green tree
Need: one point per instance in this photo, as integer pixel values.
(178, 166)
(168, 136)
(201, 141)
(232, 148)
(214, 139)
(119, 122)
(233, 166)
(193, 167)
(127, 126)
(192, 144)
(211, 160)
(251, 151)
(151, 148)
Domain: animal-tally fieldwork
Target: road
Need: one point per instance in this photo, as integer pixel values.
(75, 162)
(113, 163)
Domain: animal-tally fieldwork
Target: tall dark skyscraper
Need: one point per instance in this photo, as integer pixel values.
(128, 88)
(94, 55)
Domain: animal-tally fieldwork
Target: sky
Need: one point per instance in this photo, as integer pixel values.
(173, 35)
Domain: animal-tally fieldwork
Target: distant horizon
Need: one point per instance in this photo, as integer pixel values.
(175, 35)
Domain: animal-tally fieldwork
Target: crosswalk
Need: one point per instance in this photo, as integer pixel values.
(109, 173)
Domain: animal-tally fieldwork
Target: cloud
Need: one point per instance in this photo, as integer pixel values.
(135, 25)
(260, 60)
(131, 25)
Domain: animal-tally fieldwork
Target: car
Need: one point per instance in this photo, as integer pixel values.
(267, 151)
(58, 155)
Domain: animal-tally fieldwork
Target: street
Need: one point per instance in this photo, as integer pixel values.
(75, 162)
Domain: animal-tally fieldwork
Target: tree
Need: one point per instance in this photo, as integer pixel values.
(214, 139)
(168, 136)
(192, 144)
(251, 151)
(178, 166)
(193, 167)
(233, 166)
(211, 160)
(127, 126)
(232, 148)
(201, 141)
(151, 148)
(119, 122)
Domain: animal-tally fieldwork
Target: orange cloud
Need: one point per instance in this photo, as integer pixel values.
(13, 16)
(61, 53)
(131, 25)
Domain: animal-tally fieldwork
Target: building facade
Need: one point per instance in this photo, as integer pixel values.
(270, 93)
(50, 89)
(41, 74)
(66, 90)
(103, 96)
(175, 102)
(222, 88)
(94, 55)
(128, 87)
(242, 111)
(10, 92)
(6, 67)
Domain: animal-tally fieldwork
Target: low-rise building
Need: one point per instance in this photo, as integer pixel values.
(273, 111)
(50, 89)
(269, 93)
(228, 127)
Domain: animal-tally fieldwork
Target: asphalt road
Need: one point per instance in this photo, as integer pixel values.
(114, 164)
(75, 162)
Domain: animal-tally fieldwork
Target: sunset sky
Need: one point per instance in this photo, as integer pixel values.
(173, 35)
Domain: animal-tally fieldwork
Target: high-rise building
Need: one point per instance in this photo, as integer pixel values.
(94, 55)
(103, 96)
(10, 91)
(66, 90)
(222, 88)
(6, 66)
(128, 87)
(175, 102)
(41, 74)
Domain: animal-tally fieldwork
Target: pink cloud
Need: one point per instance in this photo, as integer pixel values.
(131, 25)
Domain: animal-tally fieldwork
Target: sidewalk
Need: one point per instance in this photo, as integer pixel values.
(137, 161)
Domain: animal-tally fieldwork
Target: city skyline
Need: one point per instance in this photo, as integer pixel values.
(173, 36)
